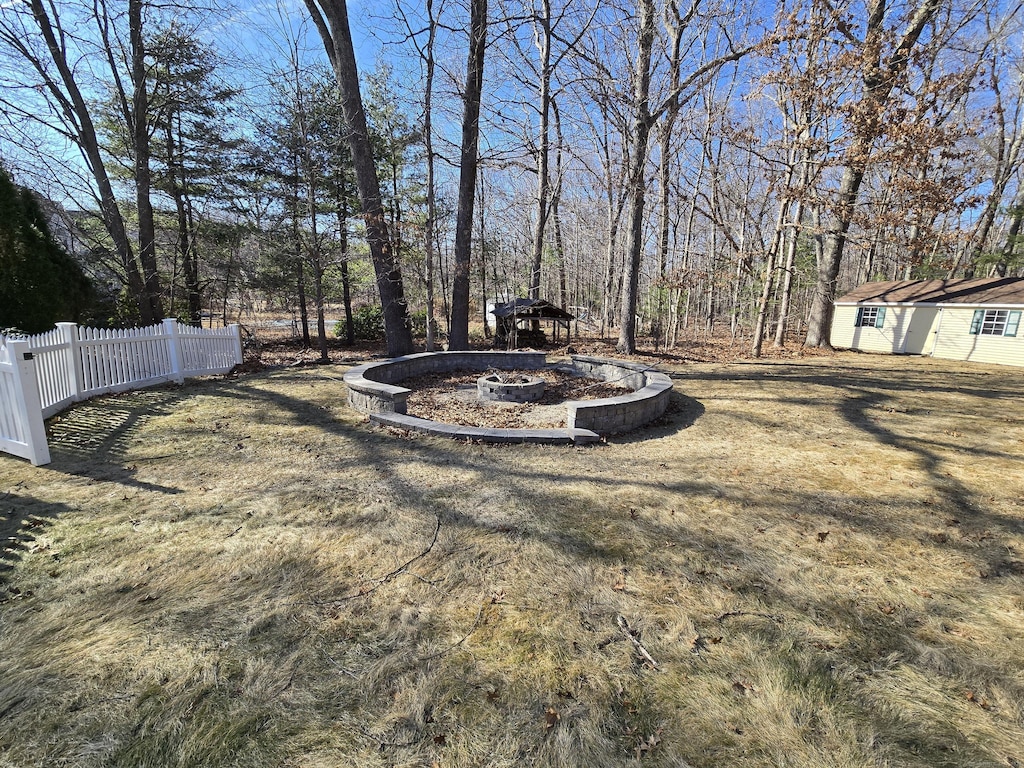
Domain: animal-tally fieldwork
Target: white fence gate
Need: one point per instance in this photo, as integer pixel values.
(21, 417)
(42, 375)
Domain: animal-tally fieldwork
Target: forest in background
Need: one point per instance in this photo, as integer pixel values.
(663, 169)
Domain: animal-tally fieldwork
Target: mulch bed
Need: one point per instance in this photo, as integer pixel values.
(452, 398)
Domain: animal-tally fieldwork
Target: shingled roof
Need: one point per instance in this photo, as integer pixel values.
(531, 309)
(985, 290)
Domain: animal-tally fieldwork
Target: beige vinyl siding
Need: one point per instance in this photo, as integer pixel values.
(846, 334)
(956, 342)
(904, 330)
(916, 329)
(843, 318)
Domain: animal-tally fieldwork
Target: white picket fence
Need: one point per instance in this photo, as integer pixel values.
(41, 375)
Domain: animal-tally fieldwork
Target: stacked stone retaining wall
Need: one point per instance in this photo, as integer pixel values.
(645, 398)
(645, 394)
(371, 386)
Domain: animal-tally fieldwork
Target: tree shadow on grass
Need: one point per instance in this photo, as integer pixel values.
(600, 534)
(22, 520)
(535, 488)
(864, 392)
(92, 439)
(682, 413)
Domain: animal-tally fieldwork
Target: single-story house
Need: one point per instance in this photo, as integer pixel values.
(975, 319)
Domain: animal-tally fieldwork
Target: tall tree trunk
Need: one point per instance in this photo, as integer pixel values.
(664, 225)
(615, 208)
(779, 242)
(556, 200)
(637, 188)
(331, 20)
(664, 160)
(300, 281)
(458, 338)
(879, 78)
(186, 244)
(543, 147)
(300, 277)
(483, 261)
(75, 110)
(143, 175)
(771, 255)
(1012, 237)
(429, 254)
(346, 281)
(317, 263)
(792, 240)
(819, 322)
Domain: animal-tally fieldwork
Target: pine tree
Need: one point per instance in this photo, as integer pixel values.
(40, 284)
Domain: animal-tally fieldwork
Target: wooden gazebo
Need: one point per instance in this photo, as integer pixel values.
(518, 323)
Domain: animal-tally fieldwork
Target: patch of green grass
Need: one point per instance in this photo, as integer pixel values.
(824, 558)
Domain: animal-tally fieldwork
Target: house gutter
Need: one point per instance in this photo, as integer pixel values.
(939, 304)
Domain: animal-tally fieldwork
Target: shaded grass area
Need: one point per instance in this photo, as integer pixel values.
(824, 558)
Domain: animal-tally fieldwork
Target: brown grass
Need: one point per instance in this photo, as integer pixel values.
(824, 557)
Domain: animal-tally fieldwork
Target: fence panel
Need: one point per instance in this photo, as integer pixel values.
(209, 351)
(71, 363)
(116, 360)
(56, 382)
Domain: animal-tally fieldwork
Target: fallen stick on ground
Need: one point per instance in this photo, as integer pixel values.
(624, 626)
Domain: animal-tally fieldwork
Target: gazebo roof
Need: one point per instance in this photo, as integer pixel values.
(535, 309)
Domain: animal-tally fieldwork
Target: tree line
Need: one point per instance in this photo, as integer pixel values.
(663, 168)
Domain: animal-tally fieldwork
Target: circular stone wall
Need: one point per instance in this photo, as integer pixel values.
(645, 395)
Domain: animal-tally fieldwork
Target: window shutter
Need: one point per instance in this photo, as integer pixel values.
(979, 316)
(1012, 323)
(860, 316)
(880, 317)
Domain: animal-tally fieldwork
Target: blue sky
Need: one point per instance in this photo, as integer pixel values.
(262, 28)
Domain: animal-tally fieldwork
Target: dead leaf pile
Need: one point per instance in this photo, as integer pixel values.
(450, 397)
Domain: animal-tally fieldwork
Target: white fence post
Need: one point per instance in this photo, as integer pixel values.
(174, 346)
(76, 377)
(238, 342)
(26, 393)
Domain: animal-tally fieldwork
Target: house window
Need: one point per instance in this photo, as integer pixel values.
(995, 322)
(870, 317)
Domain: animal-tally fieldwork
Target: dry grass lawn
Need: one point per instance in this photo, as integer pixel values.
(814, 562)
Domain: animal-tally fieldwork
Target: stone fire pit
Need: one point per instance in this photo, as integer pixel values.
(645, 395)
(506, 388)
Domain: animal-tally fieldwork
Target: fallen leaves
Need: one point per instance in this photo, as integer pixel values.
(743, 688)
(977, 698)
(451, 398)
(646, 745)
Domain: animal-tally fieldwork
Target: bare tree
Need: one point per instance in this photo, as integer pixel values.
(426, 53)
(331, 20)
(644, 116)
(458, 335)
(1004, 145)
(35, 34)
(881, 70)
